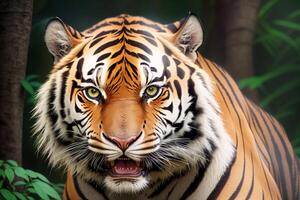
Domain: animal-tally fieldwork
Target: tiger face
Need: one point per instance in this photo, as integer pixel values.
(125, 106)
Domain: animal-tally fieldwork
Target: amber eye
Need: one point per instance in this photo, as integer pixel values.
(92, 93)
(151, 91)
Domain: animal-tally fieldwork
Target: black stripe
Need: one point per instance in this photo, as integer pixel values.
(102, 57)
(63, 92)
(172, 27)
(139, 45)
(67, 193)
(142, 32)
(197, 180)
(105, 33)
(238, 188)
(165, 61)
(99, 189)
(143, 57)
(106, 45)
(165, 183)
(222, 182)
(278, 158)
(78, 189)
(265, 141)
(111, 69)
(170, 192)
(78, 74)
(74, 85)
(252, 182)
(291, 165)
(241, 133)
(133, 54)
(178, 88)
(267, 182)
(151, 41)
(116, 54)
(155, 26)
(180, 73)
(52, 114)
(230, 86)
(95, 42)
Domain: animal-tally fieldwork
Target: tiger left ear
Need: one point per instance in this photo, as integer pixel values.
(60, 38)
(189, 36)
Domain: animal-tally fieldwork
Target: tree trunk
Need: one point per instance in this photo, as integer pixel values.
(15, 26)
(231, 43)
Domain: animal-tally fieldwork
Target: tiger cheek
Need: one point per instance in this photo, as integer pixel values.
(96, 125)
(95, 116)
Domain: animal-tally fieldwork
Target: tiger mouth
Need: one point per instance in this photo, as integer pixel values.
(125, 167)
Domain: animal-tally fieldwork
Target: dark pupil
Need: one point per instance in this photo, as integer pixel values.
(151, 89)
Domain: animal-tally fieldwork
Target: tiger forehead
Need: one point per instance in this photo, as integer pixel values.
(122, 51)
(136, 22)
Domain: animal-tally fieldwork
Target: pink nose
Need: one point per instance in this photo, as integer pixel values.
(122, 143)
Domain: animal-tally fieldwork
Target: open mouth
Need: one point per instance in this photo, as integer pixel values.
(125, 167)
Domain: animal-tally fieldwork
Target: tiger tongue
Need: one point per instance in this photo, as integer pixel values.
(126, 167)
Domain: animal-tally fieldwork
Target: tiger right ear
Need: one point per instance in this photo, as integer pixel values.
(60, 38)
(189, 36)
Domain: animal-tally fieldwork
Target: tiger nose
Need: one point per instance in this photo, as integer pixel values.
(123, 144)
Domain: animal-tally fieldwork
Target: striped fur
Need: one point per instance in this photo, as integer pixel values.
(198, 138)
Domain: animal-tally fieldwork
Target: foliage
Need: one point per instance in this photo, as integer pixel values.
(19, 183)
(278, 41)
(31, 84)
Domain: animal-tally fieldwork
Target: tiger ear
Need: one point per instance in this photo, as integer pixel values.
(60, 38)
(189, 36)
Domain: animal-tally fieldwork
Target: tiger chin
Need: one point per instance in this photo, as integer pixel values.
(131, 110)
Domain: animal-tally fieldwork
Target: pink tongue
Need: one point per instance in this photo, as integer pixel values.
(127, 167)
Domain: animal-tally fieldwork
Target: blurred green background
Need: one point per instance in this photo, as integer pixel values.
(276, 54)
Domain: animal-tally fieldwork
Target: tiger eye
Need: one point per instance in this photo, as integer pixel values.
(92, 93)
(151, 91)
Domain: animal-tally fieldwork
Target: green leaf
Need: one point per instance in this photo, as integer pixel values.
(265, 8)
(294, 14)
(252, 82)
(28, 88)
(40, 190)
(297, 150)
(30, 198)
(31, 77)
(1, 162)
(2, 173)
(20, 172)
(42, 177)
(8, 195)
(48, 189)
(34, 174)
(1, 183)
(59, 187)
(36, 84)
(288, 24)
(31, 190)
(295, 141)
(284, 114)
(280, 91)
(20, 195)
(31, 173)
(283, 37)
(12, 163)
(9, 173)
(19, 183)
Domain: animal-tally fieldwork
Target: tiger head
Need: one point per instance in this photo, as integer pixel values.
(125, 105)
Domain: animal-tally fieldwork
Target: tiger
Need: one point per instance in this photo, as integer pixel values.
(132, 110)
